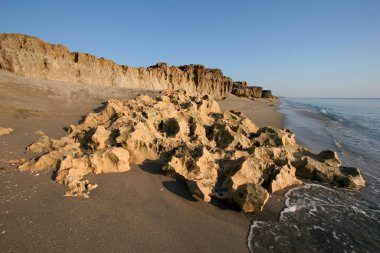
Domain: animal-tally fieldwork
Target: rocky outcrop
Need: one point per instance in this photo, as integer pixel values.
(241, 89)
(239, 85)
(267, 94)
(220, 155)
(322, 167)
(33, 58)
(5, 131)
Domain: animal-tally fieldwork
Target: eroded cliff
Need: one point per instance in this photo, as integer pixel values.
(241, 89)
(33, 58)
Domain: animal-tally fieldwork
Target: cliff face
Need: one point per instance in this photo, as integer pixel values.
(242, 89)
(31, 57)
(267, 94)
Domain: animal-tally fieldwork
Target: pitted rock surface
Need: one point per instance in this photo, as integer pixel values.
(221, 155)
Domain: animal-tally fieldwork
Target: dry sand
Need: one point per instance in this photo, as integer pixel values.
(261, 111)
(137, 211)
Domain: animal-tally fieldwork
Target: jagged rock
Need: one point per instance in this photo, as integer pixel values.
(245, 170)
(17, 162)
(266, 94)
(5, 131)
(199, 169)
(72, 169)
(31, 57)
(241, 89)
(251, 197)
(239, 84)
(70, 173)
(326, 167)
(44, 144)
(218, 154)
(101, 138)
(285, 177)
(46, 161)
(110, 160)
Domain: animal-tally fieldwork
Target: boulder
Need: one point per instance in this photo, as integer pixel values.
(250, 197)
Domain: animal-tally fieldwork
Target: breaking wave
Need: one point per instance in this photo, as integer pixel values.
(315, 219)
(319, 218)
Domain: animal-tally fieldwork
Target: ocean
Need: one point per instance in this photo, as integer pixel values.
(322, 218)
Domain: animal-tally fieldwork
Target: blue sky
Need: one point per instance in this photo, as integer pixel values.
(304, 48)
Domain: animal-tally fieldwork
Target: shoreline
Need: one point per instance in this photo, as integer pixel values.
(316, 213)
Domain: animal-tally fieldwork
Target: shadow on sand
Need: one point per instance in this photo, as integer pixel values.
(180, 188)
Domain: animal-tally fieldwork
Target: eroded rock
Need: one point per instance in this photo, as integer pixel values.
(5, 131)
(326, 167)
(219, 154)
(251, 197)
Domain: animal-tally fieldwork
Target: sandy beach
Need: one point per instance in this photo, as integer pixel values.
(138, 211)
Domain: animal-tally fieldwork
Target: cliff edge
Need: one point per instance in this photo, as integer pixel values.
(33, 58)
(241, 89)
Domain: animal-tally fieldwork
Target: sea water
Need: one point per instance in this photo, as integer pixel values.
(319, 217)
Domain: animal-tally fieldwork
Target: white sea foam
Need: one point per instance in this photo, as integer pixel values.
(314, 207)
(354, 131)
(293, 208)
(357, 210)
(335, 236)
(255, 224)
(313, 210)
(320, 228)
(290, 209)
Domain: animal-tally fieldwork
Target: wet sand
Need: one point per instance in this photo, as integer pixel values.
(137, 211)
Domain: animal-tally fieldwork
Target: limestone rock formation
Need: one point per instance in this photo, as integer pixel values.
(5, 131)
(267, 94)
(218, 154)
(241, 89)
(322, 167)
(33, 58)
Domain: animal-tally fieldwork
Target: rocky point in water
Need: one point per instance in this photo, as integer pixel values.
(221, 155)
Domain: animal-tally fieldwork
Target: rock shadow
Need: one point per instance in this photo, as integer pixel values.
(151, 167)
(224, 205)
(100, 107)
(173, 185)
(97, 109)
(179, 188)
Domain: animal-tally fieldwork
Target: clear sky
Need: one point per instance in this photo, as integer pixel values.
(304, 48)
